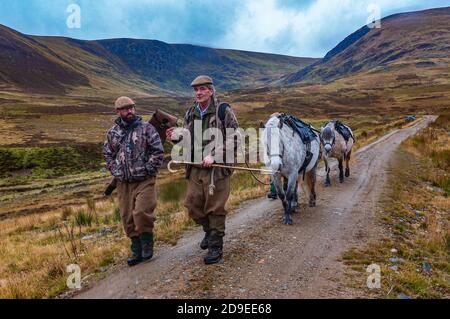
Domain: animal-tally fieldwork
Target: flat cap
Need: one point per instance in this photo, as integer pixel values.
(123, 101)
(202, 80)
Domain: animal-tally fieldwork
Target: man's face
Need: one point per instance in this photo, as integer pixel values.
(127, 113)
(202, 94)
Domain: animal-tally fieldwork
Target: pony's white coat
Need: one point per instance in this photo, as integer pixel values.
(285, 152)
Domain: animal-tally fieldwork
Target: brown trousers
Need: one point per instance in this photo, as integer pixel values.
(205, 209)
(137, 202)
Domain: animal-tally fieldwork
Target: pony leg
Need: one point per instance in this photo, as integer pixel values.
(341, 170)
(290, 194)
(285, 182)
(295, 200)
(347, 167)
(327, 170)
(311, 183)
(285, 186)
(279, 186)
(278, 182)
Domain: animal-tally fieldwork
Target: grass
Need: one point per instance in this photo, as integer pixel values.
(38, 246)
(51, 176)
(83, 219)
(414, 220)
(73, 209)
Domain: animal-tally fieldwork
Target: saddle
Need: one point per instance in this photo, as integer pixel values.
(343, 130)
(162, 121)
(306, 133)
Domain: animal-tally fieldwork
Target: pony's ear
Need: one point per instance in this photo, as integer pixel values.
(280, 124)
(261, 124)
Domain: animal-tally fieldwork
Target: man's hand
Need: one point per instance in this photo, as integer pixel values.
(208, 161)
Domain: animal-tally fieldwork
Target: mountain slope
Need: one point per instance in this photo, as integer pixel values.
(177, 64)
(26, 63)
(62, 65)
(407, 40)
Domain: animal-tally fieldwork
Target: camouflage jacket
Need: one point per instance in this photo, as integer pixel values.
(210, 120)
(133, 152)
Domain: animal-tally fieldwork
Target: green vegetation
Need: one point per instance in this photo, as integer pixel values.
(51, 161)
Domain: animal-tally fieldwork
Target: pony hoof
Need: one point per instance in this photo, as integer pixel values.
(312, 204)
(327, 184)
(341, 179)
(287, 221)
(347, 173)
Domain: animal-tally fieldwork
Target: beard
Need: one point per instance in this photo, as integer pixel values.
(128, 118)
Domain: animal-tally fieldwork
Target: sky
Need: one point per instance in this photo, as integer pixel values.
(307, 28)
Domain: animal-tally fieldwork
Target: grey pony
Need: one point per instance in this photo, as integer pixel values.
(285, 153)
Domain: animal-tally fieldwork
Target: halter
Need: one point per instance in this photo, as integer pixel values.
(280, 155)
(332, 142)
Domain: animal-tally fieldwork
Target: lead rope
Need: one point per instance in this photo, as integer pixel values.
(253, 174)
(211, 186)
(248, 166)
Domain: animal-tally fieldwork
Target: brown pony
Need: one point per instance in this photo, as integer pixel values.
(337, 141)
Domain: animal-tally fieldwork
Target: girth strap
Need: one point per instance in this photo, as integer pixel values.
(308, 158)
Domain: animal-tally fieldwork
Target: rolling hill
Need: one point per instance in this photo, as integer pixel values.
(408, 41)
(59, 65)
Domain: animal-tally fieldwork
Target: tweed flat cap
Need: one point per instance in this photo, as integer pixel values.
(123, 101)
(202, 80)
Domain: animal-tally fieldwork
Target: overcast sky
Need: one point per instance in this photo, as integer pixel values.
(293, 27)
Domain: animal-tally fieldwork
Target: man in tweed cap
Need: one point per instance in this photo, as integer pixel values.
(205, 208)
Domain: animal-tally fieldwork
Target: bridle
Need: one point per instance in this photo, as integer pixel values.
(269, 153)
(331, 144)
(328, 143)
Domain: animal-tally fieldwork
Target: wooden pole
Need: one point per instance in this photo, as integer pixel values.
(263, 171)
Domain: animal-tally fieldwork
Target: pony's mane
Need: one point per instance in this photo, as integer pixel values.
(273, 121)
(328, 124)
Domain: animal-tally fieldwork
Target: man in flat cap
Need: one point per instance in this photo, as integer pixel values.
(206, 206)
(133, 152)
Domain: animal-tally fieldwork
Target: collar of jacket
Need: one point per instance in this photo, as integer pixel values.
(130, 126)
(210, 110)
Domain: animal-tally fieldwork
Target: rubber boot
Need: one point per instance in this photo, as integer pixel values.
(215, 245)
(205, 224)
(273, 191)
(204, 242)
(147, 246)
(136, 252)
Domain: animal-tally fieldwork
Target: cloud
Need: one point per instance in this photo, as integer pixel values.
(186, 21)
(301, 28)
(306, 29)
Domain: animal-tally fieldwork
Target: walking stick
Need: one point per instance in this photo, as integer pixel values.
(260, 170)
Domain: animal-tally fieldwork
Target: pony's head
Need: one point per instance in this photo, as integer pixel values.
(327, 137)
(272, 143)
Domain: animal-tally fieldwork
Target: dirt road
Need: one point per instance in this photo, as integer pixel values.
(262, 257)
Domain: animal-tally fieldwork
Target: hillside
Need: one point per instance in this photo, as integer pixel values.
(408, 41)
(30, 65)
(59, 65)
